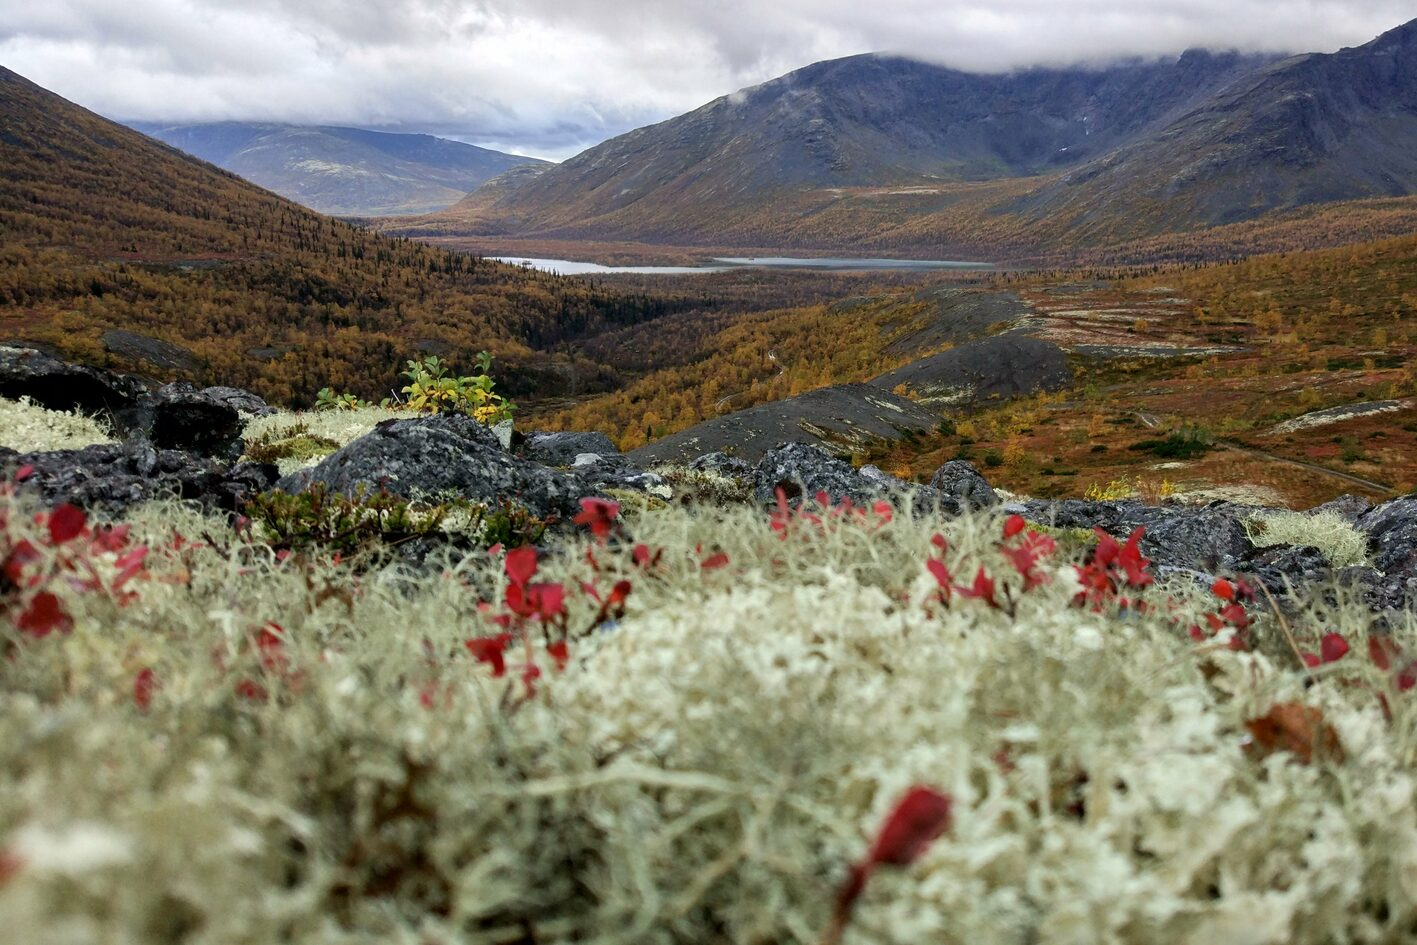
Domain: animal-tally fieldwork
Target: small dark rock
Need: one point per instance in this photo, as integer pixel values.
(445, 454)
(180, 417)
(240, 400)
(1281, 567)
(561, 449)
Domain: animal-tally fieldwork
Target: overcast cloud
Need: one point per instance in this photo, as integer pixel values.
(550, 77)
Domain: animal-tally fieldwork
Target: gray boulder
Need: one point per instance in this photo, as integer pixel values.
(445, 454)
(801, 470)
(561, 449)
(1392, 541)
(112, 477)
(960, 487)
(1210, 539)
(180, 417)
(1348, 507)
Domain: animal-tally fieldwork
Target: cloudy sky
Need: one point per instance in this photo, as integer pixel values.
(550, 77)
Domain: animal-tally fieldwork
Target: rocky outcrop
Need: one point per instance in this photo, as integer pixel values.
(1210, 538)
(844, 419)
(112, 477)
(144, 349)
(721, 464)
(51, 383)
(445, 454)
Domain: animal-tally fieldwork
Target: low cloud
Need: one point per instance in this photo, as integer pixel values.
(550, 77)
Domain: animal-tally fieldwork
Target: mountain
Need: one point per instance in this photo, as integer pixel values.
(107, 231)
(876, 153)
(863, 121)
(343, 171)
(1311, 129)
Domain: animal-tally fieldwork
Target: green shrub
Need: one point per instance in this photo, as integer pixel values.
(431, 389)
(1187, 443)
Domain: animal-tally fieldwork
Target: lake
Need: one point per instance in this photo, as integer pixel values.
(570, 267)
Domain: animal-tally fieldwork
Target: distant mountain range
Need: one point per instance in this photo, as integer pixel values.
(875, 152)
(343, 171)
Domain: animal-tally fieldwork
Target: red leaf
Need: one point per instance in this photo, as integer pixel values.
(530, 674)
(521, 565)
(1333, 647)
(982, 589)
(714, 562)
(941, 573)
(144, 685)
(598, 515)
(43, 616)
(1223, 589)
(10, 864)
(1311, 660)
(490, 650)
(1013, 525)
(66, 523)
(921, 815)
(561, 653)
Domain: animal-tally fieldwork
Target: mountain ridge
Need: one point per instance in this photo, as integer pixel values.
(875, 152)
(340, 170)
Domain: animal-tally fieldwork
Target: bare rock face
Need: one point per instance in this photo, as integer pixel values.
(990, 369)
(163, 355)
(799, 470)
(445, 454)
(1392, 541)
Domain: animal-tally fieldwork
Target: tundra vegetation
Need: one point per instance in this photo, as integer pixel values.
(702, 722)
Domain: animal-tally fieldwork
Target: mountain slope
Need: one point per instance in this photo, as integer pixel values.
(1311, 129)
(345, 171)
(864, 121)
(874, 154)
(106, 229)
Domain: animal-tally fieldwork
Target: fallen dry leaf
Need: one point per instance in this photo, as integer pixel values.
(1295, 728)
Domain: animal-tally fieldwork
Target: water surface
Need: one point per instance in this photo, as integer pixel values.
(569, 267)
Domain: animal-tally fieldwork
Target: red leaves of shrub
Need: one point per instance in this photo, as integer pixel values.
(1295, 728)
(490, 650)
(66, 523)
(1110, 568)
(920, 817)
(144, 685)
(44, 616)
(1332, 648)
(598, 515)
